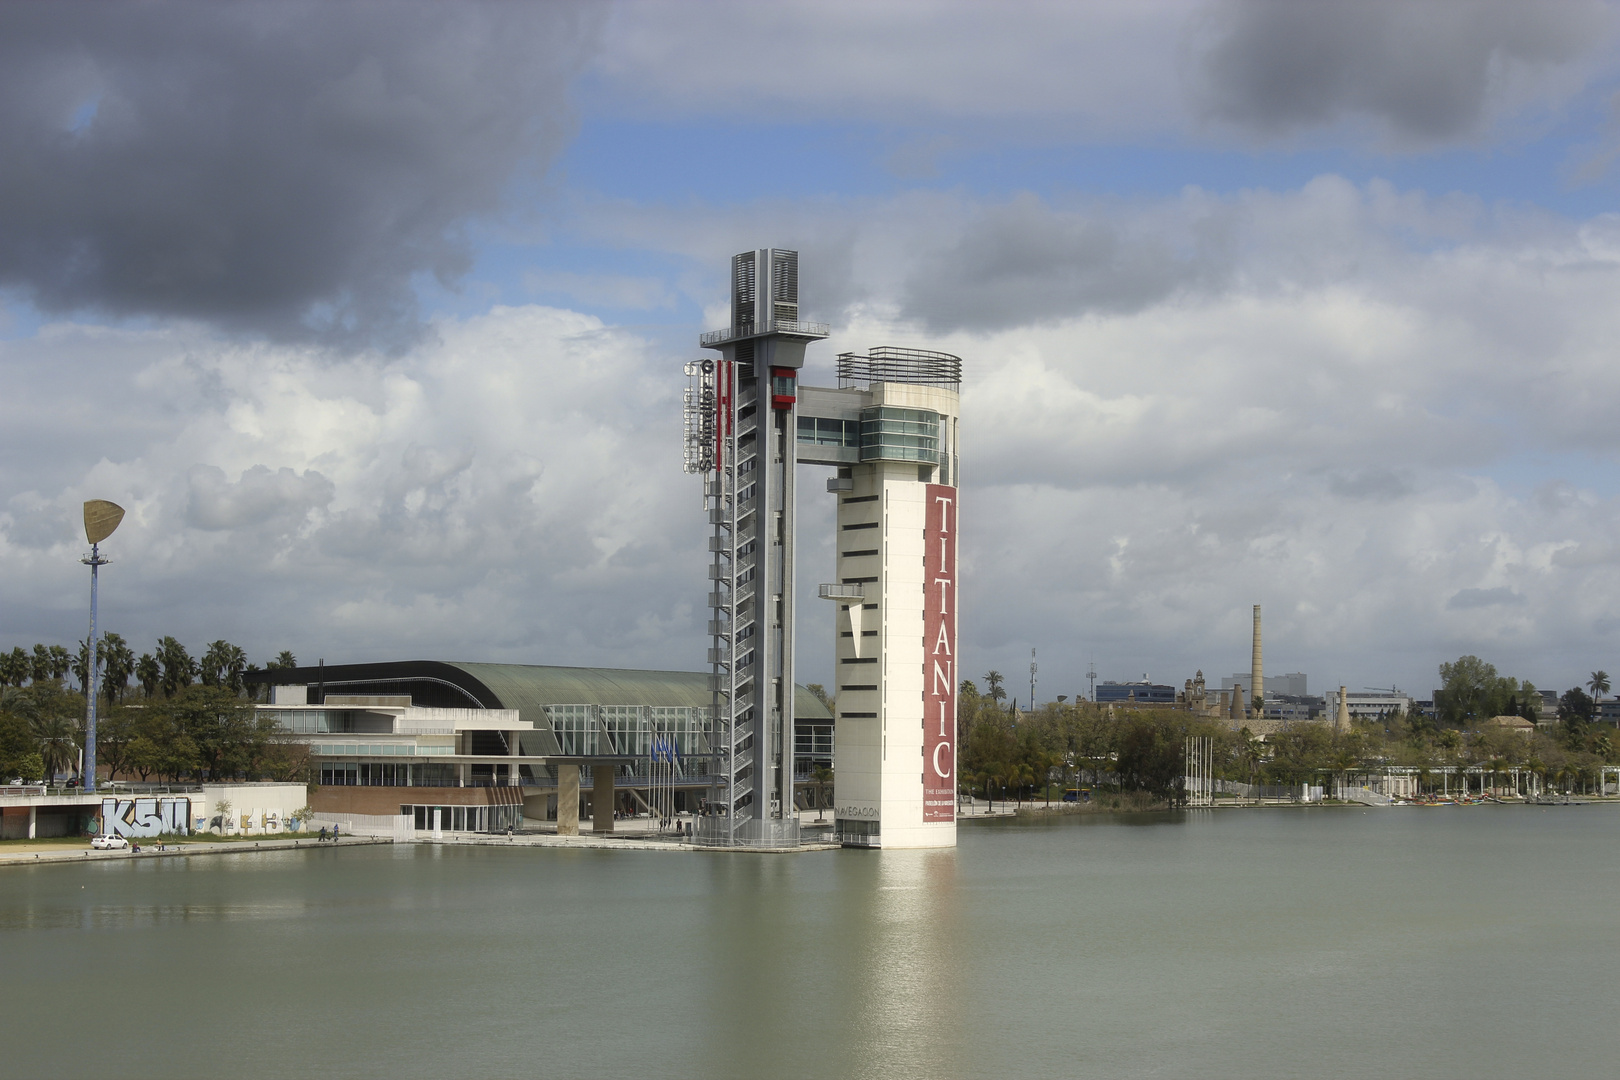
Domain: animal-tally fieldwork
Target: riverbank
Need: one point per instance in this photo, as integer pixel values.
(37, 852)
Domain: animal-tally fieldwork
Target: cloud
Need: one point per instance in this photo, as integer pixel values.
(259, 497)
(1104, 66)
(286, 169)
(1320, 420)
(1427, 72)
(1023, 262)
(510, 487)
(1037, 73)
(1468, 599)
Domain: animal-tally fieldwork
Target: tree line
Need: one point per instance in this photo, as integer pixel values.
(163, 716)
(1017, 754)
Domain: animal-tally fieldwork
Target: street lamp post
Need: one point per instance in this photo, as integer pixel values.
(100, 519)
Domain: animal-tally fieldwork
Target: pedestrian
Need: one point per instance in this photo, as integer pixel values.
(323, 834)
(334, 834)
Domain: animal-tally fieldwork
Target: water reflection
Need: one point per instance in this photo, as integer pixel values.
(905, 975)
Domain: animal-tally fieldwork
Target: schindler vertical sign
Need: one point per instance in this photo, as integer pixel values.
(939, 656)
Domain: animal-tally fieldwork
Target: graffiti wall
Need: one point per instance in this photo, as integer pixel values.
(146, 817)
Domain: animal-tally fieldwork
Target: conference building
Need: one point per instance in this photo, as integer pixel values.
(488, 746)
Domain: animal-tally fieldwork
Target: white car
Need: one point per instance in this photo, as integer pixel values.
(109, 843)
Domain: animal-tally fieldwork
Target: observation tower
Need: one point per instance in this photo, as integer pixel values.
(890, 430)
(741, 421)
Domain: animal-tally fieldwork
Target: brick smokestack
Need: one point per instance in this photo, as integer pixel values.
(1256, 674)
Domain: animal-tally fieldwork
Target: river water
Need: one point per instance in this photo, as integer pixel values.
(1451, 942)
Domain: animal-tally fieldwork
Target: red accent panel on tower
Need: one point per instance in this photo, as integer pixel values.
(939, 655)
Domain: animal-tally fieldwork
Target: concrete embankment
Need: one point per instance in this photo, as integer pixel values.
(608, 843)
(75, 854)
(36, 857)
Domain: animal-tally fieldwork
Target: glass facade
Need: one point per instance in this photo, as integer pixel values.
(625, 730)
(318, 721)
(821, 431)
(575, 728)
(891, 434)
(326, 749)
(387, 774)
(464, 818)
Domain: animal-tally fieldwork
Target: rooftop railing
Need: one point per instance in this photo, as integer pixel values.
(780, 326)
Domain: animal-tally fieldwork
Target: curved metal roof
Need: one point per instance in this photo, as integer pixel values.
(528, 688)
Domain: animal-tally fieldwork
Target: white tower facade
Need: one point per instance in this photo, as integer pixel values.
(896, 594)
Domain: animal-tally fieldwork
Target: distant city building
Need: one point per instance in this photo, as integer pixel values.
(1293, 708)
(1140, 692)
(1291, 685)
(1368, 705)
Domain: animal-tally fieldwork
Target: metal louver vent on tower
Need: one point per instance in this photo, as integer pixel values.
(785, 286)
(743, 280)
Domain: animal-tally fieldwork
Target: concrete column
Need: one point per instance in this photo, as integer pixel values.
(602, 798)
(517, 751)
(567, 800)
(33, 822)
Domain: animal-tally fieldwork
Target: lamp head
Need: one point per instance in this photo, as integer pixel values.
(100, 519)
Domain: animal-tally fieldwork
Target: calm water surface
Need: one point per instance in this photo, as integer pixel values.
(1478, 942)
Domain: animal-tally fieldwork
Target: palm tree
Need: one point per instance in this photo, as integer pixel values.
(58, 738)
(992, 686)
(14, 667)
(222, 665)
(179, 669)
(1497, 767)
(1598, 684)
(149, 673)
(822, 777)
(120, 661)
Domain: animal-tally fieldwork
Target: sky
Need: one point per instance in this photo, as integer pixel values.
(373, 317)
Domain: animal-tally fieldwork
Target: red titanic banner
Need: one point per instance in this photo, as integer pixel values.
(939, 655)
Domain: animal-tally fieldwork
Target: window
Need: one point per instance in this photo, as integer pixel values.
(825, 431)
(893, 434)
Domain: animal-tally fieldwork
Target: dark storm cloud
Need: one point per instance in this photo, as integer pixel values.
(284, 168)
(1427, 70)
(1025, 263)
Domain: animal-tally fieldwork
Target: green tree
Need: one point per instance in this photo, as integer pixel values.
(992, 683)
(179, 669)
(149, 673)
(1598, 684)
(821, 776)
(1464, 686)
(229, 735)
(81, 666)
(15, 668)
(284, 659)
(40, 664)
(19, 752)
(160, 745)
(115, 731)
(1575, 709)
(222, 665)
(120, 665)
